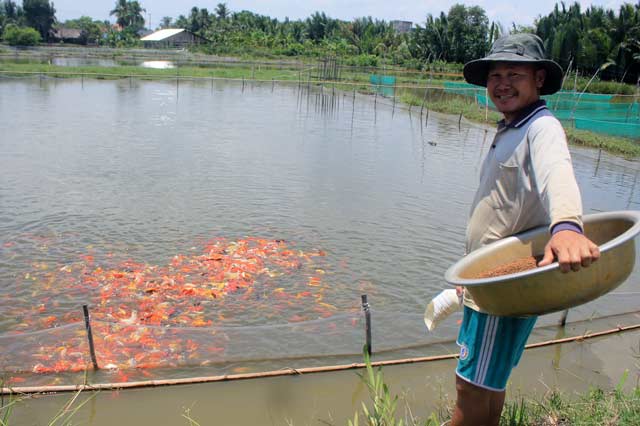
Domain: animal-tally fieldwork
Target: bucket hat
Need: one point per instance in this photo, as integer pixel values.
(520, 48)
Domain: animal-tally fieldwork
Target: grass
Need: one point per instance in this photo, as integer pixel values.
(624, 147)
(454, 105)
(64, 416)
(228, 72)
(596, 407)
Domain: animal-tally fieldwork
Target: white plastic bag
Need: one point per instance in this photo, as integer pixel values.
(440, 307)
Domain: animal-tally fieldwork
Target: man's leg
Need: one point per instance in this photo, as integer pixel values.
(490, 346)
(476, 406)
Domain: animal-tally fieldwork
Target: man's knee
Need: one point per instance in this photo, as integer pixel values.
(470, 392)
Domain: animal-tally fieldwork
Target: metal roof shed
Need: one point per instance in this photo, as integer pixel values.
(171, 37)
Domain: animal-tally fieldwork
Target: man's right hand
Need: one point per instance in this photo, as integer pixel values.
(573, 251)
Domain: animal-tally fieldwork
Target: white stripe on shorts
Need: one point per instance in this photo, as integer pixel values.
(494, 333)
(488, 339)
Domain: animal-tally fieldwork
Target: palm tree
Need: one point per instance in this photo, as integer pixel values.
(129, 14)
(222, 11)
(166, 22)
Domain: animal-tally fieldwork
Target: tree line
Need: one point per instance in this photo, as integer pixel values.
(590, 40)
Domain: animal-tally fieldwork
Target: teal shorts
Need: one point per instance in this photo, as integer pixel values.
(490, 347)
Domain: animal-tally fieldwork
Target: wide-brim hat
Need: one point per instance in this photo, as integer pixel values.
(520, 48)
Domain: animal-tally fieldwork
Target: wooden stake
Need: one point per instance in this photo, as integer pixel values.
(367, 318)
(563, 320)
(87, 324)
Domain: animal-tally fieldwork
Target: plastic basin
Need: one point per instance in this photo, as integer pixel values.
(546, 289)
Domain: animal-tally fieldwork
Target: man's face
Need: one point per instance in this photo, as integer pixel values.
(513, 86)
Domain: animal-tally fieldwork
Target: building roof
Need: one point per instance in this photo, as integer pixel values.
(67, 33)
(162, 34)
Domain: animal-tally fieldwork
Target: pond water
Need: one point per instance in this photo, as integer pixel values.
(247, 219)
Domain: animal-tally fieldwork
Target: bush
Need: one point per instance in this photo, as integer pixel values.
(596, 85)
(293, 49)
(414, 64)
(362, 61)
(17, 36)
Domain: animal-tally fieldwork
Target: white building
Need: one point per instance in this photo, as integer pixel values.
(171, 37)
(401, 27)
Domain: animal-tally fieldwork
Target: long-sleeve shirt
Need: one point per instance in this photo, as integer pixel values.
(526, 180)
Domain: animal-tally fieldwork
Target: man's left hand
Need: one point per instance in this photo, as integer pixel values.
(571, 249)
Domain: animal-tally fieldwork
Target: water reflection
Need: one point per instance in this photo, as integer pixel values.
(64, 61)
(160, 65)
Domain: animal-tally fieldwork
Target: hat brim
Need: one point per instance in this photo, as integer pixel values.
(476, 72)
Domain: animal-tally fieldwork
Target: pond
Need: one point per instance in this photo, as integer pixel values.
(221, 227)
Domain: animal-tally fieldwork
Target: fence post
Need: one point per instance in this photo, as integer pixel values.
(87, 324)
(367, 318)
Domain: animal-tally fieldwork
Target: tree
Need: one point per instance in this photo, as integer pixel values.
(165, 22)
(468, 29)
(320, 26)
(589, 39)
(10, 10)
(370, 36)
(90, 30)
(129, 14)
(39, 14)
(199, 20)
(17, 36)
(222, 12)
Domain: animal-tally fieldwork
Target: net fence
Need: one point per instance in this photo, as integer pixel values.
(614, 115)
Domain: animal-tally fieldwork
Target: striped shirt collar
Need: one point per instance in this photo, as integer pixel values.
(525, 115)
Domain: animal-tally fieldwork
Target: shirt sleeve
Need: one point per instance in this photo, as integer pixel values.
(553, 172)
(565, 226)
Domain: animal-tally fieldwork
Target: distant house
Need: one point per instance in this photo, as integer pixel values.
(67, 35)
(172, 37)
(401, 27)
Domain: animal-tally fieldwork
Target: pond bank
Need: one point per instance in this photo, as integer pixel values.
(467, 107)
(296, 72)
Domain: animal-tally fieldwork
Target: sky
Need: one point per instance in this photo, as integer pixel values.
(503, 11)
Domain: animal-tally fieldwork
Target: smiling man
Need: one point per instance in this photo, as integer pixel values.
(526, 181)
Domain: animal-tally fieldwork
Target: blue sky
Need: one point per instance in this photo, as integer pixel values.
(505, 12)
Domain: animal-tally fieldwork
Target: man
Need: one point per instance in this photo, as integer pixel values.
(526, 181)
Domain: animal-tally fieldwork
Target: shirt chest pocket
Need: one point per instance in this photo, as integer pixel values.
(506, 186)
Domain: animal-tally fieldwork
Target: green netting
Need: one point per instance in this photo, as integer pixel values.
(383, 84)
(631, 130)
(482, 99)
(601, 113)
(462, 88)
